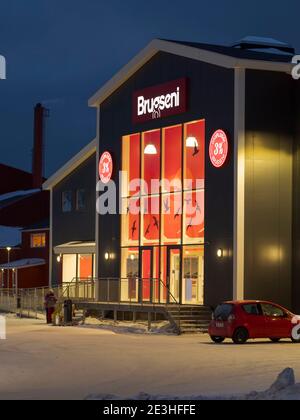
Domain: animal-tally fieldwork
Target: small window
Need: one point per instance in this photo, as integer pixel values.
(38, 240)
(66, 201)
(251, 309)
(272, 311)
(80, 200)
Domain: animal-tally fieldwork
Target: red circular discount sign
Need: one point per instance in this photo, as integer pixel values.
(105, 167)
(218, 149)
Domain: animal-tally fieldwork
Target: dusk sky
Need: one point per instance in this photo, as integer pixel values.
(59, 52)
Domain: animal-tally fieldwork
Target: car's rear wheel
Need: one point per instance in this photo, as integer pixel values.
(275, 340)
(216, 339)
(240, 336)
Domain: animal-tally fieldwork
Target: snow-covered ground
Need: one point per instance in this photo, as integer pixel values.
(44, 362)
(284, 388)
(162, 327)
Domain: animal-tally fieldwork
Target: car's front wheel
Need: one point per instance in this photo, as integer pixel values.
(217, 340)
(240, 336)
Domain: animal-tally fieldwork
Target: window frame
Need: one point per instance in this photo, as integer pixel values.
(42, 235)
(80, 190)
(62, 201)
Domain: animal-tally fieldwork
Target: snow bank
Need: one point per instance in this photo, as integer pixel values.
(284, 388)
(123, 327)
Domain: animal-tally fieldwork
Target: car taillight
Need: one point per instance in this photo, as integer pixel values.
(231, 318)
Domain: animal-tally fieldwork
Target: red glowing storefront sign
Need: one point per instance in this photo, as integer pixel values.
(160, 101)
(218, 149)
(105, 167)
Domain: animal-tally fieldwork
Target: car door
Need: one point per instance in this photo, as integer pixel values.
(278, 322)
(254, 320)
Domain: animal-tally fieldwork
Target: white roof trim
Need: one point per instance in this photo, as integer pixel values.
(184, 51)
(76, 248)
(24, 263)
(71, 165)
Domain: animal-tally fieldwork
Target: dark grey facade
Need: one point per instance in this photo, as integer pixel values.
(270, 138)
(76, 225)
(211, 97)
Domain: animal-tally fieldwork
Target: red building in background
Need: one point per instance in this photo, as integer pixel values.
(24, 219)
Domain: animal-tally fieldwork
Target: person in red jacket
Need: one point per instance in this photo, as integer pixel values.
(50, 303)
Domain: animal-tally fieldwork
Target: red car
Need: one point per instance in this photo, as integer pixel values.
(243, 320)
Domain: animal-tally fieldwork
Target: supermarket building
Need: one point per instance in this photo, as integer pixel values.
(225, 121)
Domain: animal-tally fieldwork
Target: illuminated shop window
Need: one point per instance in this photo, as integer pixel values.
(194, 157)
(150, 219)
(163, 222)
(78, 266)
(85, 266)
(172, 158)
(193, 216)
(171, 218)
(130, 221)
(131, 146)
(38, 240)
(151, 162)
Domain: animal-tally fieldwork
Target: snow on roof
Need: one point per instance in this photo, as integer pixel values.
(9, 236)
(15, 194)
(24, 263)
(263, 41)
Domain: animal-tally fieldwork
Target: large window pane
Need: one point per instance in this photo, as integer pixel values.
(151, 162)
(172, 160)
(193, 217)
(171, 218)
(69, 265)
(194, 159)
(85, 266)
(130, 221)
(150, 229)
(131, 163)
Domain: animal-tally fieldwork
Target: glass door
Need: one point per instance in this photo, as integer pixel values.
(146, 274)
(193, 279)
(174, 274)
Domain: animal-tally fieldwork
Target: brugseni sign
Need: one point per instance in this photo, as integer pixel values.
(160, 101)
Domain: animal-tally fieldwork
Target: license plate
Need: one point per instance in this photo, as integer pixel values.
(220, 324)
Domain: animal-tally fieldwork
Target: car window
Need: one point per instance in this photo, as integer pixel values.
(252, 309)
(223, 311)
(271, 310)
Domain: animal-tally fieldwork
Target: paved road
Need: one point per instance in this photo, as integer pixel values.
(41, 362)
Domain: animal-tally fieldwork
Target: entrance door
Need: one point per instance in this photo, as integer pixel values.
(193, 282)
(173, 273)
(146, 274)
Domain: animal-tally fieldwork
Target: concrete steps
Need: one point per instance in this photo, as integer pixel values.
(190, 319)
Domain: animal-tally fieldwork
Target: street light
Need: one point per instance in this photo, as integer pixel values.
(8, 249)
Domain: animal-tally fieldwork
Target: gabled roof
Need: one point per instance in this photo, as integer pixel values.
(71, 165)
(15, 196)
(16, 179)
(228, 57)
